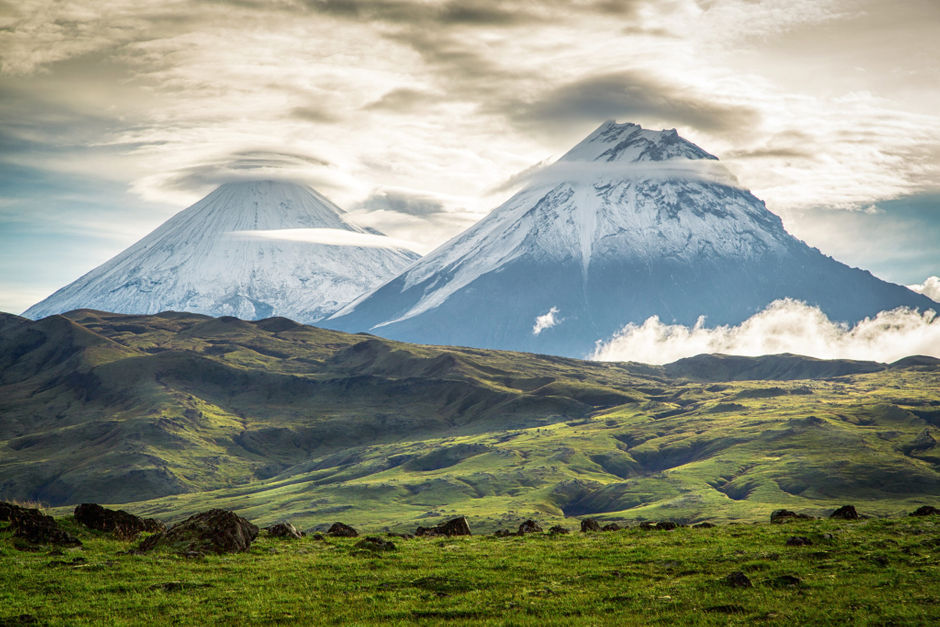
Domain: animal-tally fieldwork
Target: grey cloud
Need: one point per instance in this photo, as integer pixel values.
(770, 152)
(403, 99)
(626, 95)
(400, 202)
(313, 114)
(245, 164)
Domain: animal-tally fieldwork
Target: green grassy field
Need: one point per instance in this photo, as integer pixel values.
(876, 571)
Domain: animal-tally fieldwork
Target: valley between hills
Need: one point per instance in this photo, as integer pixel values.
(171, 414)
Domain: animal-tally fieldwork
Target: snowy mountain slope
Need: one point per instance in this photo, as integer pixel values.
(628, 224)
(201, 260)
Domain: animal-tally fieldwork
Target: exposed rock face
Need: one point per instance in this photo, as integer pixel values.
(340, 530)
(529, 526)
(122, 524)
(785, 515)
(215, 531)
(454, 527)
(846, 512)
(35, 527)
(589, 524)
(924, 510)
(284, 530)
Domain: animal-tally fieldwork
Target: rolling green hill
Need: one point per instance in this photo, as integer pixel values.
(174, 413)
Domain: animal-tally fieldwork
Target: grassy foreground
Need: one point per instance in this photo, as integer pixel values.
(878, 571)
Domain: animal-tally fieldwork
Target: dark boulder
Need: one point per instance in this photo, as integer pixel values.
(339, 530)
(666, 525)
(403, 536)
(785, 515)
(35, 527)
(589, 524)
(123, 525)
(529, 526)
(785, 581)
(799, 541)
(215, 531)
(284, 530)
(6, 511)
(737, 579)
(925, 510)
(373, 543)
(503, 533)
(611, 527)
(558, 529)
(703, 525)
(453, 527)
(846, 512)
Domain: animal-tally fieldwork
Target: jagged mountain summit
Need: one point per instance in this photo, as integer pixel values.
(629, 224)
(213, 258)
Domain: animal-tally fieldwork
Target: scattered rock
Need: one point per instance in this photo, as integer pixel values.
(611, 527)
(846, 512)
(339, 530)
(589, 524)
(35, 527)
(215, 531)
(666, 525)
(923, 510)
(737, 579)
(558, 529)
(284, 530)
(403, 536)
(529, 526)
(123, 525)
(454, 527)
(373, 543)
(785, 581)
(318, 536)
(503, 533)
(703, 525)
(799, 541)
(785, 515)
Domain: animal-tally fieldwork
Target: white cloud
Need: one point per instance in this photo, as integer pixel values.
(929, 288)
(329, 237)
(546, 321)
(785, 326)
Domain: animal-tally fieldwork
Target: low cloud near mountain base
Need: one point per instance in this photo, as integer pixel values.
(785, 326)
(929, 288)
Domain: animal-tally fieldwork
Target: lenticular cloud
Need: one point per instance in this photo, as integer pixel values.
(785, 326)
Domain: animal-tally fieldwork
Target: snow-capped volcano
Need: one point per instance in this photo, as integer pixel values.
(628, 224)
(232, 253)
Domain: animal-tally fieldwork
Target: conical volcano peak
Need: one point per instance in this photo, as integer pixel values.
(630, 142)
(238, 252)
(266, 204)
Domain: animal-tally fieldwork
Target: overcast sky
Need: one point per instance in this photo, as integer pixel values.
(412, 114)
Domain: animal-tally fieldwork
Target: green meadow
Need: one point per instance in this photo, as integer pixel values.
(875, 571)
